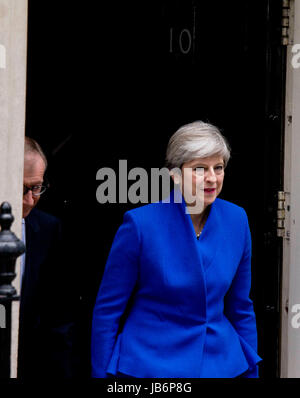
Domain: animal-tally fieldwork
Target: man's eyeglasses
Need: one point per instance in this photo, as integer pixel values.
(36, 190)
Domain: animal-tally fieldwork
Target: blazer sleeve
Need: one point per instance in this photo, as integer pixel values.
(238, 306)
(119, 279)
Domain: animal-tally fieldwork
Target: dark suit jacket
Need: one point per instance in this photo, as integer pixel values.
(46, 318)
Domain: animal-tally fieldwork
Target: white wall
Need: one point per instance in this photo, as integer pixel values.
(13, 51)
(290, 335)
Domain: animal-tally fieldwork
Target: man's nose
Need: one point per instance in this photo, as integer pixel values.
(28, 198)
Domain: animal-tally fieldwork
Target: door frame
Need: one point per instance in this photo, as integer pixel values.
(290, 293)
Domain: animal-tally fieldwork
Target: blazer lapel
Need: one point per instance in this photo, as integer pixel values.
(187, 239)
(209, 242)
(211, 238)
(31, 271)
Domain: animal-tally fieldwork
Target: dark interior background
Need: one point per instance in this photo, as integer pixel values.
(115, 81)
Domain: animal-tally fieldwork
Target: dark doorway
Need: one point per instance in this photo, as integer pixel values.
(115, 81)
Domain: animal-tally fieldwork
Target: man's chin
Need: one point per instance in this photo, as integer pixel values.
(26, 213)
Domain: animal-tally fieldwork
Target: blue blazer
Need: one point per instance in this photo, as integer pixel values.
(189, 313)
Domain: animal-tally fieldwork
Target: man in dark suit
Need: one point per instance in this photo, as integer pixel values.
(46, 318)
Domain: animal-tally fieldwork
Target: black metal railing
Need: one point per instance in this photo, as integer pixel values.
(10, 248)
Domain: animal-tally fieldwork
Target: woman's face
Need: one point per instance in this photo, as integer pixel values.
(202, 181)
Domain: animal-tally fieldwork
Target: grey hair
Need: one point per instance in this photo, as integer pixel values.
(31, 146)
(196, 140)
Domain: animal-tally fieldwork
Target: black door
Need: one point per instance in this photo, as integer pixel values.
(115, 82)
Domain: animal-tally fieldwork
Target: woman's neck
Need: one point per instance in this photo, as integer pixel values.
(199, 220)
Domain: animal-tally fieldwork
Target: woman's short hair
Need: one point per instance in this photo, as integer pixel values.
(31, 146)
(196, 140)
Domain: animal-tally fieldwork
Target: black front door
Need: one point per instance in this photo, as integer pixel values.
(123, 81)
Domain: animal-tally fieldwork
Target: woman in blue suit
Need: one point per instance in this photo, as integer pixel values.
(180, 270)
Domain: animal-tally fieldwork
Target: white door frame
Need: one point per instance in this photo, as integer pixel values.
(13, 55)
(290, 300)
